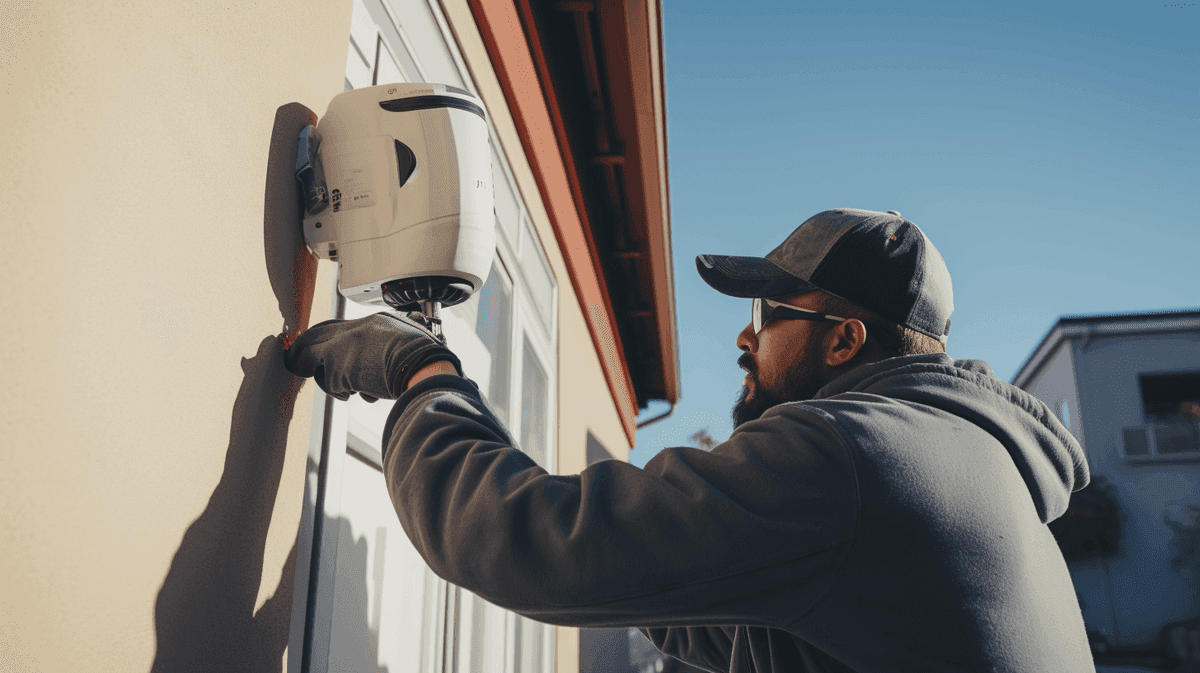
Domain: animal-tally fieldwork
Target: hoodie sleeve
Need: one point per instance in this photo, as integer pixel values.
(750, 533)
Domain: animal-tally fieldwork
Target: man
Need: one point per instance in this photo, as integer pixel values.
(879, 506)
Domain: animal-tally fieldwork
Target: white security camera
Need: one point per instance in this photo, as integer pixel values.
(397, 188)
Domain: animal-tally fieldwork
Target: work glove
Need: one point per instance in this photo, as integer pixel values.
(373, 356)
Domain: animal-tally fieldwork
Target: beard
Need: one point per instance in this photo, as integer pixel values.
(799, 382)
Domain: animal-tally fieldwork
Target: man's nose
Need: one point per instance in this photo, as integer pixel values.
(747, 339)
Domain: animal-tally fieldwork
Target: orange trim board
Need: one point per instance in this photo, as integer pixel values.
(500, 27)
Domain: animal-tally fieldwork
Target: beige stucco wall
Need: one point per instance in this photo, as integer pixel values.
(154, 471)
(154, 446)
(584, 401)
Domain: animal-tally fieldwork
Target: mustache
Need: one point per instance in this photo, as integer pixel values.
(746, 362)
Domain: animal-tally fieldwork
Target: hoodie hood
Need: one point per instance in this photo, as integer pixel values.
(1047, 455)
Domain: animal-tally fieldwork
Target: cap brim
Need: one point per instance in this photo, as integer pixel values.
(748, 277)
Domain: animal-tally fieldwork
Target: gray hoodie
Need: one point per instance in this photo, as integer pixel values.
(896, 522)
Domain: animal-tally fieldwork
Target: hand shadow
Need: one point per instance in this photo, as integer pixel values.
(204, 614)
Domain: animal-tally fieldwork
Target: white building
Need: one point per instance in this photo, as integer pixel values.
(1128, 388)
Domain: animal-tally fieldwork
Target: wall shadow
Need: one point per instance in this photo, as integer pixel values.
(354, 642)
(291, 267)
(204, 613)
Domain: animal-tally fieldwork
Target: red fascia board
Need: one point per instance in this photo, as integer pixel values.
(513, 58)
(626, 27)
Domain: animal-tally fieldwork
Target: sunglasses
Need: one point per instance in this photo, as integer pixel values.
(763, 310)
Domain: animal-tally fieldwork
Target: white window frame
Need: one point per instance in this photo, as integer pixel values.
(347, 437)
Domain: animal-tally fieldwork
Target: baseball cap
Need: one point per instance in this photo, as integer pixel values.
(879, 261)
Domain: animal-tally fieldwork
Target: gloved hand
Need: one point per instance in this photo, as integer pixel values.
(373, 356)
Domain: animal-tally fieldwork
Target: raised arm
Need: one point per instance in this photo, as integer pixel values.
(750, 533)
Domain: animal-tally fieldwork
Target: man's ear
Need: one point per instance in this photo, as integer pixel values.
(846, 342)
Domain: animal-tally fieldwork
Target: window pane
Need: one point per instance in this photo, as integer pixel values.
(541, 284)
(360, 57)
(382, 594)
(507, 211)
(1135, 442)
(425, 40)
(1176, 436)
(494, 327)
(529, 646)
(389, 71)
(486, 638)
(363, 32)
(604, 649)
(357, 74)
(1171, 396)
(533, 406)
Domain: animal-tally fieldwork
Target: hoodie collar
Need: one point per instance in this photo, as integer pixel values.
(1047, 455)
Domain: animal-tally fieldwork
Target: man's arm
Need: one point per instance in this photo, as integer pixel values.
(431, 369)
(708, 647)
(747, 534)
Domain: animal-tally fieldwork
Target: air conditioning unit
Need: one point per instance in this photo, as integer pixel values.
(1162, 441)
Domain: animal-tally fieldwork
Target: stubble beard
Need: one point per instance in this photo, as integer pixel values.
(799, 383)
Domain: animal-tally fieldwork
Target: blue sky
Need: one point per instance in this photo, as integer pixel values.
(1051, 153)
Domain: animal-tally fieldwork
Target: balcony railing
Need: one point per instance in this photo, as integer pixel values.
(1173, 440)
